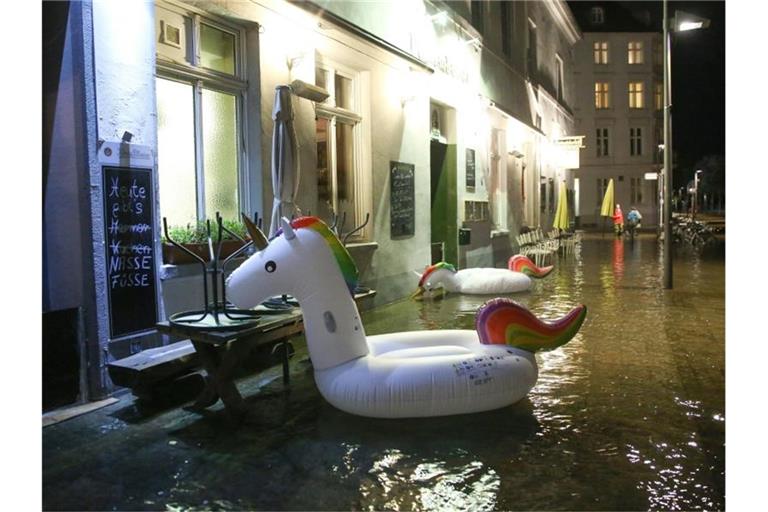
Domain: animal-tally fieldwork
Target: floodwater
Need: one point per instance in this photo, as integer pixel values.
(630, 415)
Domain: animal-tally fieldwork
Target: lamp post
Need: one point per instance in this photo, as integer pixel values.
(680, 23)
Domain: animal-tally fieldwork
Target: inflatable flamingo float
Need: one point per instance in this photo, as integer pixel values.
(480, 281)
(403, 374)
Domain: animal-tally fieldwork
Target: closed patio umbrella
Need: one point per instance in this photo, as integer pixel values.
(285, 162)
(607, 208)
(561, 215)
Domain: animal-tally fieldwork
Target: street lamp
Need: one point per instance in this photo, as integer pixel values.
(696, 193)
(681, 22)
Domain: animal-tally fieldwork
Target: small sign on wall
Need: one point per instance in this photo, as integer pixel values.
(470, 168)
(402, 199)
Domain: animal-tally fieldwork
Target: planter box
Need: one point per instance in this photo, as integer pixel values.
(175, 256)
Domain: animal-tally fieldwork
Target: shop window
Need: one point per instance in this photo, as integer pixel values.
(198, 121)
(339, 138)
(602, 95)
(635, 91)
(635, 52)
(600, 51)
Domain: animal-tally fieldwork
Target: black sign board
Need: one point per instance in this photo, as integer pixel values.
(402, 199)
(470, 166)
(130, 250)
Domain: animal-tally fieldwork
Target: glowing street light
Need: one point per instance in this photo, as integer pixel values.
(682, 21)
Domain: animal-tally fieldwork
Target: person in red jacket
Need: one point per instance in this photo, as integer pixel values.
(618, 220)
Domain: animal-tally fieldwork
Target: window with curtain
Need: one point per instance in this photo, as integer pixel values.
(636, 99)
(600, 51)
(602, 95)
(635, 52)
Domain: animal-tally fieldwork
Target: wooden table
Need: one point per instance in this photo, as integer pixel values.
(222, 351)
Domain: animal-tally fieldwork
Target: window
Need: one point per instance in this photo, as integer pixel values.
(602, 95)
(635, 141)
(658, 95)
(339, 144)
(600, 50)
(636, 95)
(478, 14)
(601, 137)
(597, 15)
(602, 186)
(498, 179)
(198, 120)
(658, 55)
(635, 191)
(506, 24)
(558, 77)
(531, 52)
(635, 52)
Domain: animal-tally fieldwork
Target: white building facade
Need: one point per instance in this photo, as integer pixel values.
(469, 104)
(620, 106)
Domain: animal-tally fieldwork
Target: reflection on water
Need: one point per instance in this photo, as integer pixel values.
(629, 415)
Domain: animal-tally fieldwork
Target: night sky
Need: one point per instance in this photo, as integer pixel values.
(698, 87)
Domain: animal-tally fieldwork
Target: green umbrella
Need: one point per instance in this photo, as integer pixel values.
(607, 209)
(561, 215)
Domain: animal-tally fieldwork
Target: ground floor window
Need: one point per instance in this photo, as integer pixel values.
(198, 158)
(636, 191)
(602, 186)
(339, 140)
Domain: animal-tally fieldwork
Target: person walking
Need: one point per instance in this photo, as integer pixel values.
(618, 220)
(633, 221)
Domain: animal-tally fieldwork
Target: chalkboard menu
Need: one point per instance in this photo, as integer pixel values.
(402, 199)
(470, 166)
(128, 214)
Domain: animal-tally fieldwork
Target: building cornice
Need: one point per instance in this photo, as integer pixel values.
(564, 18)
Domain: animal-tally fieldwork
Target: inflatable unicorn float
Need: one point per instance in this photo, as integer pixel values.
(517, 278)
(402, 374)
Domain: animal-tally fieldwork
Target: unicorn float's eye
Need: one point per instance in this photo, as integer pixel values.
(271, 266)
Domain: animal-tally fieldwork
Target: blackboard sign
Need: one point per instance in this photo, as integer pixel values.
(128, 215)
(402, 199)
(470, 168)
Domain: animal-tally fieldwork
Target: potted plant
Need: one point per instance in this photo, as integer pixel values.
(195, 239)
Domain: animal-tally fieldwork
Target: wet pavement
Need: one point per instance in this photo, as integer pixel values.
(630, 415)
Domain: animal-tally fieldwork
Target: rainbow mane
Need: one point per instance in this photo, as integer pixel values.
(432, 268)
(520, 263)
(504, 321)
(340, 253)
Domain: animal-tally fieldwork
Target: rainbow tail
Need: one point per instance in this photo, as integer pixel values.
(520, 263)
(504, 321)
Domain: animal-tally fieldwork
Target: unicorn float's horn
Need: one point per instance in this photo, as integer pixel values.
(520, 263)
(505, 322)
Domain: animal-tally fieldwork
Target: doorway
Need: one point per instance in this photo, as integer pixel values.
(443, 202)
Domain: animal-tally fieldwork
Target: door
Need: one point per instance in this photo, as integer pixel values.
(442, 167)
